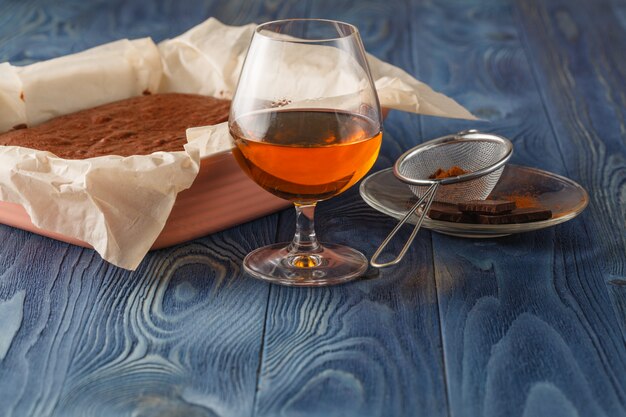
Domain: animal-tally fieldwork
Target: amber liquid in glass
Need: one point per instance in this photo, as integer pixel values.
(305, 156)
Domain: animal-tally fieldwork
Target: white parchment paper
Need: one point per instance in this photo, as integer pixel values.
(119, 205)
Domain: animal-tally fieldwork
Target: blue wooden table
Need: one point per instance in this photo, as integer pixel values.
(528, 325)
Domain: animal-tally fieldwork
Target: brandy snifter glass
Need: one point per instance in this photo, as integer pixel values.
(306, 125)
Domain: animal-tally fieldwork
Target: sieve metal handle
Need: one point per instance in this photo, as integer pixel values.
(428, 197)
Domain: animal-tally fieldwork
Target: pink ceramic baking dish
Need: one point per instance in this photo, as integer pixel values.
(220, 197)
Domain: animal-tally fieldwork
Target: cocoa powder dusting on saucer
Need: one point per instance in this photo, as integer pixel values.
(521, 200)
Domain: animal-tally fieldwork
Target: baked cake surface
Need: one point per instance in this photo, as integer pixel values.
(136, 126)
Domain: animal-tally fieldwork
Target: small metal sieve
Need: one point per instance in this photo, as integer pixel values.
(481, 155)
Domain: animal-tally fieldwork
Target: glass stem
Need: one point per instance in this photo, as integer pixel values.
(304, 241)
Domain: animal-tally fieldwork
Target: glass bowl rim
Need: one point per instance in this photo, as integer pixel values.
(354, 31)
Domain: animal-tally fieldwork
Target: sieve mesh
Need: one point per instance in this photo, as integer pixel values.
(482, 156)
(469, 154)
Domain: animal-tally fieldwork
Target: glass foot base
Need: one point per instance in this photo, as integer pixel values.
(332, 264)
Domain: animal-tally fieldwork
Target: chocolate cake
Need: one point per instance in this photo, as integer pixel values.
(136, 126)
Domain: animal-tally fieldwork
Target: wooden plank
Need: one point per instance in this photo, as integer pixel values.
(371, 347)
(526, 320)
(368, 348)
(182, 334)
(48, 30)
(586, 100)
(618, 10)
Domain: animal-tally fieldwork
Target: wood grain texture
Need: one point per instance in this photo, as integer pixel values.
(368, 348)
(526, 320)
(591, 132)
(180, 336)
(35, 30)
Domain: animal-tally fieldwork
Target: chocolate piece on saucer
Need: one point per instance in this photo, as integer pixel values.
(522, 215)
(487, 206)
(449, 213)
